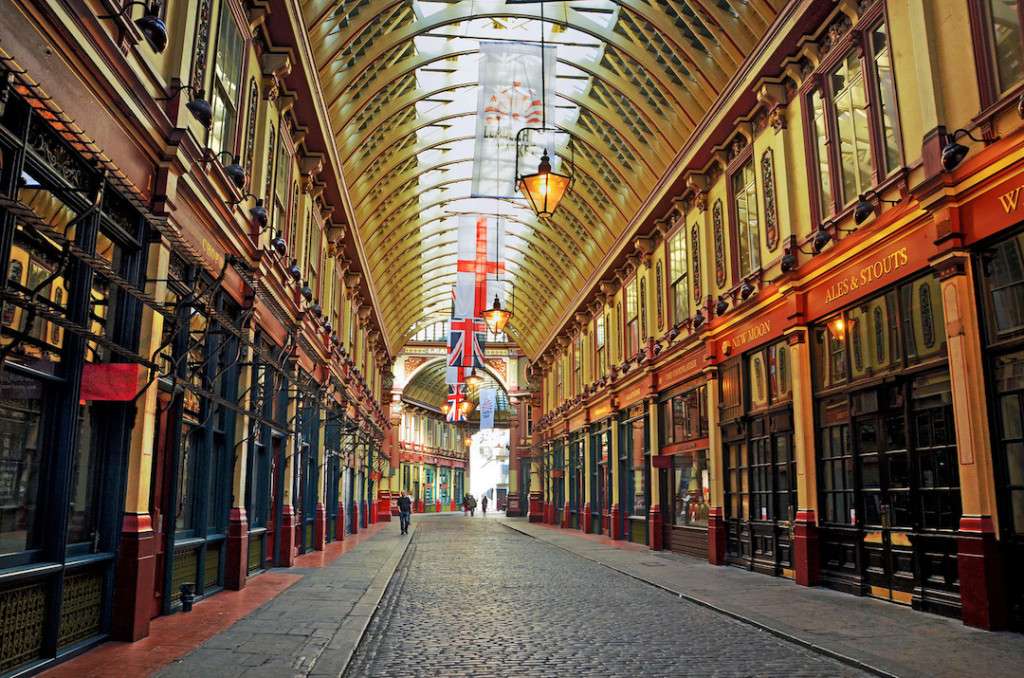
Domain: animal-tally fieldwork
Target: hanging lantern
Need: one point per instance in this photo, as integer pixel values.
(474, 380)
(545, 188)
(497, 317)
(465, 407)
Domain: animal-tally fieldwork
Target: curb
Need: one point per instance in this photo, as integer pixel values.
(779, 633)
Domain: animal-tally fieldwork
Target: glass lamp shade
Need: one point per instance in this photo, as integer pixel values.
(474, 380)
(444, 409)
(837, 326)
(545, 189)
(496, 317)
(465, 407)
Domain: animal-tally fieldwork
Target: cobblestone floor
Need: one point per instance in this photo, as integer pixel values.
(454, 609)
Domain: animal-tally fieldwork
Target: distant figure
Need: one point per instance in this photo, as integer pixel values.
(404, 511)
(465, 505)
(472, 505)
(483, 504)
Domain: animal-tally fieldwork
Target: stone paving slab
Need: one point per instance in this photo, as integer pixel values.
(885, 637)
(309, 631)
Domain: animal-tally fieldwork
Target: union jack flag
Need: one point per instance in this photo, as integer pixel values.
(456, 396)
(465, 347)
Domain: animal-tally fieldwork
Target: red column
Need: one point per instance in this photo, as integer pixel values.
(452, 507)
(805, 548)
(136, 575)
(565, 515)
(236, 570)
(657, 528)
(585, 523)
(613, 528)
(384, 510)
(716, 536)
(437, 506)
(536, 510)
(419, 506)
(339, 523)
(373, 512)
(320, 527)
(355, 518)
(286, 556)
(982, 582)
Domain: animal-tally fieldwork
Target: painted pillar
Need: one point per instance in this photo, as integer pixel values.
(804, 526)
(320, 517)
(136, 560)
(978, 558)
(586, 470)
(716, 513)
(286, 553)
(536, 498)
(566, 481)
(614, 527)
(236, 566)
(655, 520)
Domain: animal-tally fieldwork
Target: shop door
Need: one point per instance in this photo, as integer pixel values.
(1009, 455)
(737, 496)
(883, 460)
(276, 485)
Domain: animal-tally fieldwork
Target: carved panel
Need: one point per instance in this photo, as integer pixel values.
(695, 253)
(250, 126)
(659, 295)
(412, 363)
(771, 211)
(719, 227)
(499, 366)
(202, 45)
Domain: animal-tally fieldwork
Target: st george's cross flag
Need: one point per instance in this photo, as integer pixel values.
(465, 347)
(456, 396)
(478, 267)
(511, 97)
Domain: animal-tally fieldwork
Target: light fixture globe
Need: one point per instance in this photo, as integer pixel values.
(544, 189)
(201, 109)
(821, 238)
(235, 172)
(474, 380)
(497, 317)
(465, 407)
(863, 210)
(258, 213)
(153, 27)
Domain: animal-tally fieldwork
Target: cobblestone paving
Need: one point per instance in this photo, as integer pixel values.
(454, 609)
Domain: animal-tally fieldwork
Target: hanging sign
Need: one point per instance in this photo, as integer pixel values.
(110, 381)
(488, 404)
(511, 97)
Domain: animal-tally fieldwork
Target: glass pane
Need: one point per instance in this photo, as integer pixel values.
(849, 101)
(20, 407)
(886, 98)
(821, 137)
(1006, 42)
(1015, 464)
(85, 479)
(186, 481)
(1002, 269)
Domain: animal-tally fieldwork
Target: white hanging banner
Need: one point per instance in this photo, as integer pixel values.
(488, 404)
(510, 98)
(479, 265)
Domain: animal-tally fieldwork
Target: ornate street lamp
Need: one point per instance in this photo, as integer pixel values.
(497, 317)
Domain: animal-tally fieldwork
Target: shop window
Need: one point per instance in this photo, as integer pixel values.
(1009, 381)
(600, 345)
(227, 76)
(678, 276)
(747, 226)
(999, 46)
(924, 327)
(691, 489)
(938, 486)
(20, 456)
(684, 416)
(732, 394)
(873, 331)
(853, 119)
(577, 366)
(631, 321)
(1002, 276)
(835, 453)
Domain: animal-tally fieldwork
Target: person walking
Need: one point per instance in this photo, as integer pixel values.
(483, 505)
(472, 506)
(465, 505)
(404, 511)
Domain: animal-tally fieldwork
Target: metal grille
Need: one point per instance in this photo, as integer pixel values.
(255, 553)
(81, 608)
(184, 571)
(211, 574)
(22, 614)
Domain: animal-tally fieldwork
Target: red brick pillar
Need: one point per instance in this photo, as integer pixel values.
(339, 523)
(716, 536)
(536, 510)
(320, 527)
(236, 569)
(614, 523)
(136, 575)
(657, 528)
(805, 548)
(286, 554)
(982, 582)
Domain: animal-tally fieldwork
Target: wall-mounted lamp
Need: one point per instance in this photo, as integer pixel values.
(198, 106)
(149, 24)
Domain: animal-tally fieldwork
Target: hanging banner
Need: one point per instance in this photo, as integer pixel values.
(465, 347)
(456, 396)
(479, 265)
(488, 404)
(510, 96)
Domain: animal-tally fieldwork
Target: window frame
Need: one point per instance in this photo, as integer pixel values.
(229, 12)
(857, 39)
(992, 100)
(672, 279)
(630, 324)
(739, 164)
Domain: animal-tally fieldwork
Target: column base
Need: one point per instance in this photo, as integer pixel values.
(364, 515)
(136, 575)
(716, 537)
(236, 569)
(384, 510)
(286, 554)
(419, 506)
(452, 506)
(657, 529)
(535, 513)
(437, 506)
(805, 548)
(566, 516)
(615, 523)
(585, 523)
(983, 592)
(320, 527)
(355, 518)
(339, 523)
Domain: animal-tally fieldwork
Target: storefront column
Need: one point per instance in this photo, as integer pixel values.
(320, 517)
(584, 502)
(716, 512)
(136, 559)
(805, 536)
(566, 481)
(615, 531)
(978, 558)
(286, 553)
(536, 499)
(236, 566)
(655, 521)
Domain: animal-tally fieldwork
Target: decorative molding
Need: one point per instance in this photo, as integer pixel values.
(695, 255)
(771, 210)
(201, 46)
(718, 221)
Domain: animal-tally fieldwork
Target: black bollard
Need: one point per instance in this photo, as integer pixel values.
(188, 596)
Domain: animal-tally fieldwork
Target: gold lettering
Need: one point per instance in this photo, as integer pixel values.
(1009, 200)
(880, 268)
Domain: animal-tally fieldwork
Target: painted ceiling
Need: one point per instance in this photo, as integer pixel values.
(399, 78)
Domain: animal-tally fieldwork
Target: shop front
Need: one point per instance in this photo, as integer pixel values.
(601, 461)
(306, 462)
(682, 415)
(889, 487)
(577, 477)
(444, 487)
(634, 473)
(556, 481)
(429, 488)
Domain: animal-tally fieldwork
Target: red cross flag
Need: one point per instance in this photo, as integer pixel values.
(478, 266)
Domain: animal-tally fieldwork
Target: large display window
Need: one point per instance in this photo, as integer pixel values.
(634, 473)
